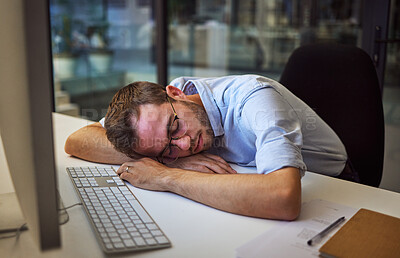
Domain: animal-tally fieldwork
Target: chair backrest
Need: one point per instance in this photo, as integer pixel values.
(340, 83)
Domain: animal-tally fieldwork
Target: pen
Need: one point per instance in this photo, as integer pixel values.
(324, 232)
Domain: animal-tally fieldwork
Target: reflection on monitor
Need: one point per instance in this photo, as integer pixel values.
(25, 114)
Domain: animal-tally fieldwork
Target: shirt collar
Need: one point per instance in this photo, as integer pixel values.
(207, 98)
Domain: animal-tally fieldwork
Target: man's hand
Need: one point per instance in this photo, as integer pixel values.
(144, 173)
(204, 162)
(149, 174)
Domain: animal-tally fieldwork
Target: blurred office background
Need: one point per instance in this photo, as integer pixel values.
(101, 45)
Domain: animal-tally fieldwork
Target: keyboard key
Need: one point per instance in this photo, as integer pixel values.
(110, 229)
(122, 231)
(117, 222)
(126, 220)
(151, 241)
(151, 226)
(144, 230)
(115, 189)
(116, 240)
(162, 240)
(147, 235)
(156, 233)
(139, 226)
(113, 235)
(109, 246)
(125, 236)
(120, 226)
(119, 245)
(132, 215)
(128, 225)
(135, 234)
(140, 211)
(131, 229)
(108, 225)
(139, 241)
(129, 243)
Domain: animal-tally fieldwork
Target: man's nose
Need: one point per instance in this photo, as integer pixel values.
(183, 143)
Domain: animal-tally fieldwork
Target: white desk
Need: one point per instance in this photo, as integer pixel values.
(195, 230)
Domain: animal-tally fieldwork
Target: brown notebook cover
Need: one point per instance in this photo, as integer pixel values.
(366, 234)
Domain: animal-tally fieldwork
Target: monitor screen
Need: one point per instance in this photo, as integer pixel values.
(26, 114)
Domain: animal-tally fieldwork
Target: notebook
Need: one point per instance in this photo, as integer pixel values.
(366, 234)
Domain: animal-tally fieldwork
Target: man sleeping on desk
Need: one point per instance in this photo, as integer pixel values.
(180, 138)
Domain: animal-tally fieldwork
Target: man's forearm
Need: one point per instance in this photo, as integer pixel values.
(90, 143)
(274, 196)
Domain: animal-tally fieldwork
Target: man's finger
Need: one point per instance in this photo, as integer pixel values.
(221, 162)
(123, 175)
(216, 168)
(216, 165)
(123, 168)
(223, 168)
(120, 170)
(207, 170)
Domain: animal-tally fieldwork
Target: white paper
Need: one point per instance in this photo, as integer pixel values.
(289, 239)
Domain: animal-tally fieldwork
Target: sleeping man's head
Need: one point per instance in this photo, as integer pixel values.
(147, 119)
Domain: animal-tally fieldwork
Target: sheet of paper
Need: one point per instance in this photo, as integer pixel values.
(289, 239)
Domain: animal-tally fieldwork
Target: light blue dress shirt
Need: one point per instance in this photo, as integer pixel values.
(258, 122)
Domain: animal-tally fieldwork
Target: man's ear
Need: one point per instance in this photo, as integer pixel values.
(175, 93)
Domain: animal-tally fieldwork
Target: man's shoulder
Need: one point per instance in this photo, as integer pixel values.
(181, 81)
(239, 87)
(225, 89)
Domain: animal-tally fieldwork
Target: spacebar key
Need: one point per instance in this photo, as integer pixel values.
(140, 211)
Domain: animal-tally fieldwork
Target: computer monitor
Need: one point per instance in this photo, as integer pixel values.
(26, 114)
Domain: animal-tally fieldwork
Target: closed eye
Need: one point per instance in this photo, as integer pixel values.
(175, 128)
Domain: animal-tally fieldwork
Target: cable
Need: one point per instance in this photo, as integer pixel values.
(16, 232)
(65, 208)
(64, 212)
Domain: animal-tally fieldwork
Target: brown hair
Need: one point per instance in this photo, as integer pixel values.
(124, 108)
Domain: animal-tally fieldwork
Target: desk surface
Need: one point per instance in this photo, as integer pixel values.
(195, 230)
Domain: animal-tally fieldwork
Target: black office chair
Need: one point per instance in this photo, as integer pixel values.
(340, 83)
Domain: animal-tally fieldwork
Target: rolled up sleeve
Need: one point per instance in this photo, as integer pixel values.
(277, 129)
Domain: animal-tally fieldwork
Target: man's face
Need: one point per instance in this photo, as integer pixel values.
(154, 124)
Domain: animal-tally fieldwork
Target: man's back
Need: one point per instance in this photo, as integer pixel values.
(258, 122)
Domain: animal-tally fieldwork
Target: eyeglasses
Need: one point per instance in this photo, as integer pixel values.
(176, 130)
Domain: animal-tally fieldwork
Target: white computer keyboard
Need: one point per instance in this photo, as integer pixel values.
(119, 220)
